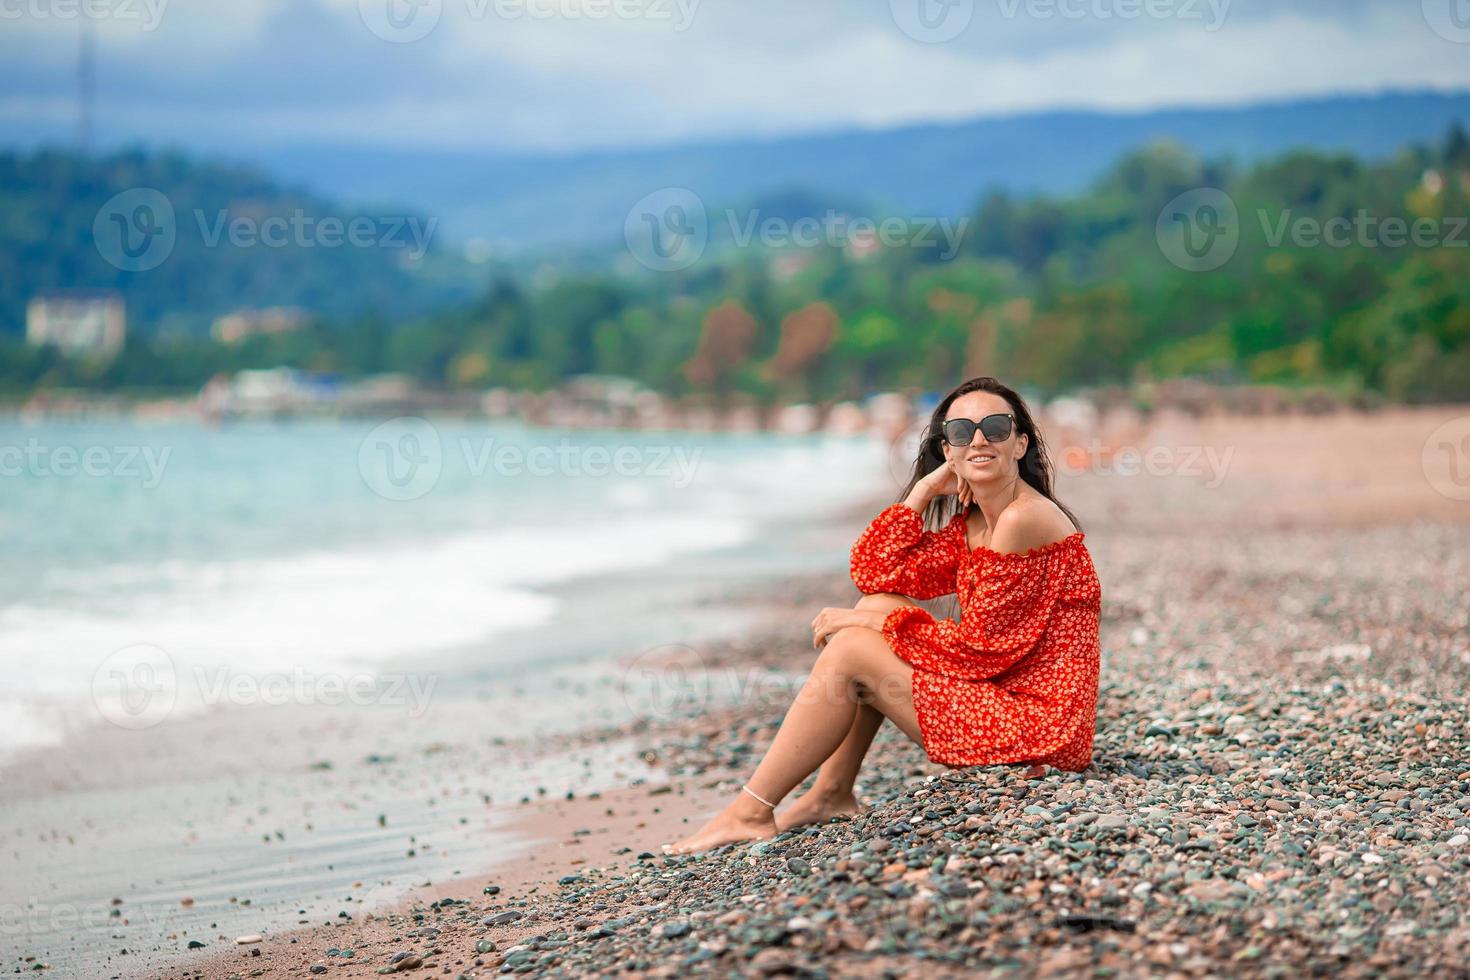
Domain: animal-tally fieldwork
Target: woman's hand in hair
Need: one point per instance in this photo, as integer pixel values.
(942, 482)
(967, 497)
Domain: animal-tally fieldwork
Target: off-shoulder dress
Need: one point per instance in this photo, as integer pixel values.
(1015, 679)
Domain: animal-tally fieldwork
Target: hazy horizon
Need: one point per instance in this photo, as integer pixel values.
(572, 76)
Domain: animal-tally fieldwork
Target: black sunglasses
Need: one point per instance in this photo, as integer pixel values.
(995, 428)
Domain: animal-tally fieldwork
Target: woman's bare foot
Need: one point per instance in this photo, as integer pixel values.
(819, 806)
(737, 822)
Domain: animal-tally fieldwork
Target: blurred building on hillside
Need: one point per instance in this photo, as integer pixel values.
(595, 399)
(78, 321)
(270, 393)
(236, 326)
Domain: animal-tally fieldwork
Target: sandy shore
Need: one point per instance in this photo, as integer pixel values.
(1281, 781)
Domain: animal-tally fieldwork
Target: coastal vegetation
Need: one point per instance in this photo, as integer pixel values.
(1333, 271)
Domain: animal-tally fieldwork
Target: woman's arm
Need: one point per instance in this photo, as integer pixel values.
(895, 553)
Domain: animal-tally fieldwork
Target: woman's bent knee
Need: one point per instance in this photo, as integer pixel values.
(855, 652)
(846, 651)
(836, 655)
(883, 602)
(851, 638)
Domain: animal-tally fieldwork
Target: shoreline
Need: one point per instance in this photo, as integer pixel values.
(562, 837)
(324, 758)
(1282, 686)
(1222, 830)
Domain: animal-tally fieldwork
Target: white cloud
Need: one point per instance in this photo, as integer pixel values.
(510, 80)
(869, 76)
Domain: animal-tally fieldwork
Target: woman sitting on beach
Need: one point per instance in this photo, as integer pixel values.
(1013, 681)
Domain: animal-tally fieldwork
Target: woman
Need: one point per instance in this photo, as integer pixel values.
(1013, 681)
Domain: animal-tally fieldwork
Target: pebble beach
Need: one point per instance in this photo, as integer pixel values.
(1280, 784)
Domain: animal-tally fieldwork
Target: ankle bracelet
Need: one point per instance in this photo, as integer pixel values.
(759, 797)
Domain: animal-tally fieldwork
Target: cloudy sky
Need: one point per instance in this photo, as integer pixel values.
(562, 75)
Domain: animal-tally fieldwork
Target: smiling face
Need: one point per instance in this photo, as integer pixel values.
(983, 461)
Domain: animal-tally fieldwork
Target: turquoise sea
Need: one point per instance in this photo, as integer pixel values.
(286, 670)
(335, 548)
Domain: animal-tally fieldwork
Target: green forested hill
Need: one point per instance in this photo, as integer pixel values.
(62, 215)
(1306, 269)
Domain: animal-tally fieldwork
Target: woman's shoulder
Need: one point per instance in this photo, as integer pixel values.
(1030, 526)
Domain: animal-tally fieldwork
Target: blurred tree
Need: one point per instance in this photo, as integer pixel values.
(724, 347)
(1052, 292)
(806, 335)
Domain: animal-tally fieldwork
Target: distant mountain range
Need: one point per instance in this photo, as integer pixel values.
(61, 215)
(921, 171)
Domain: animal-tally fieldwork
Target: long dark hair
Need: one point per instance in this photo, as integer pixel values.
(1035, 465)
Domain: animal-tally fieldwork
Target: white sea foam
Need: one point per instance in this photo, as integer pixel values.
(393, 594)
(317, 613)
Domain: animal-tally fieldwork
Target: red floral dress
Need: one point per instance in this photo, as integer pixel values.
(1015, 680)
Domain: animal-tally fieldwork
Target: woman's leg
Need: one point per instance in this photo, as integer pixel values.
(856, 667)
(832, 794)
